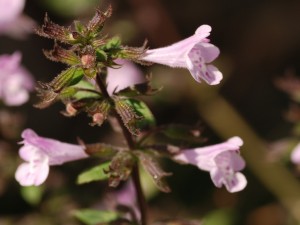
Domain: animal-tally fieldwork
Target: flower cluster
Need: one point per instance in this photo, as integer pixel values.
(101, 81)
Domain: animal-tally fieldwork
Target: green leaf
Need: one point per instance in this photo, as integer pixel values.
(95, 217)
(32, 194)
(147, 119)
(113, 43)
(101, 55)
(79, 27)
(68, 77)
(94, 174)
(135, 114)
(82, 90)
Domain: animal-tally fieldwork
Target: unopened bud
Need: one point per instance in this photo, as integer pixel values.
(98, 118)
(70, 110)
(87, 60)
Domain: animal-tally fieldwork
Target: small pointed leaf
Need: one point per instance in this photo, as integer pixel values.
(55, 31)
(59, 54)
(94, 174)
(79, 27)
(32, 194)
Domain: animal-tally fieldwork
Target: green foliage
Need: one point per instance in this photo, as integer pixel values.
(220, 217)
(94, 174)
(135, 114)
(95, 217)
(68, 77)
(32, 194)
(82, 90)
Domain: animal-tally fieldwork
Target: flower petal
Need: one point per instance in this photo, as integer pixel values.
(195, 62)
(58, 152)
(235, 183)
(27, 152)
(127, 75)
(203, 30)
(295, 156)
(230, 159)
(208, 51)
(28, 174)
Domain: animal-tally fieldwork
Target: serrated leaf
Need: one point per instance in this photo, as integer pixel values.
(135, 114)
(101, 55)
(95, 217)
(151, 165)
(79, 27)
(55, 31)
(147, 119)
(59, 54)
(68, 77)
(128, 115)
(82, 90)
(32, 194)
(94, 174)
(95, 25)
(113, 43)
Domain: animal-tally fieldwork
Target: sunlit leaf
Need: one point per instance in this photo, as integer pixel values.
(94, 174)
(135, 114)
(95, 217)
(32, 194)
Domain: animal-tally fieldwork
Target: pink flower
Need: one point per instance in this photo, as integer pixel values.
(295, 156)
(223, 161)
(15, 80)
(12, 21)
(127, 75)
(192, 53)
(39, 153)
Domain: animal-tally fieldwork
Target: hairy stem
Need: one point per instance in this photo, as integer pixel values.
(131, 144)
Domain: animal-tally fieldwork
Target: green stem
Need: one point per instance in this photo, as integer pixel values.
(131, 144)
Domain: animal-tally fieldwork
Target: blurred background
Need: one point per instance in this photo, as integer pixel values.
(260, 46)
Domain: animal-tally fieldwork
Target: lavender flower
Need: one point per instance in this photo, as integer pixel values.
(12, 21)
(192, 53)
(223, 161)
(127, 75)
(15, 80)
(39, 153)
